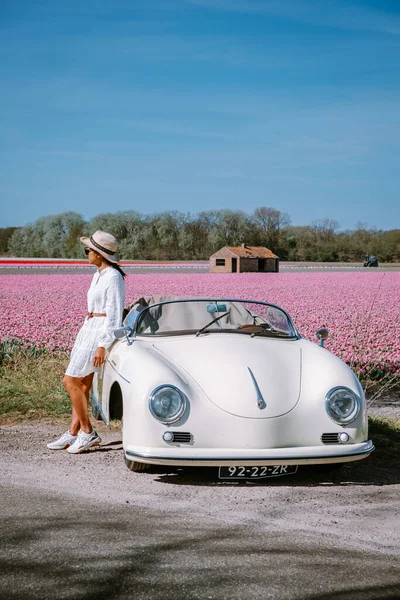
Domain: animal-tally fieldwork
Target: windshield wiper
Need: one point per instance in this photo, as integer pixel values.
(271, 332)
(210, 323)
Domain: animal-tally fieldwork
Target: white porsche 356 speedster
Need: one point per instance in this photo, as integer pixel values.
(231, 384)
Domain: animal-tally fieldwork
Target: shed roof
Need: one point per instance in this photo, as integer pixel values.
(249, 251)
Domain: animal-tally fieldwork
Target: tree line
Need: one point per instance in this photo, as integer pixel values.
(174, 235)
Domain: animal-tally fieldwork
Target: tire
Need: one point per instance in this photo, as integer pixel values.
(138, 467)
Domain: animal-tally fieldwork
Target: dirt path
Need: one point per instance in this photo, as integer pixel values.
(351, 515)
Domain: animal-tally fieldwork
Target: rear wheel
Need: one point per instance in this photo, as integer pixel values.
(133, 465)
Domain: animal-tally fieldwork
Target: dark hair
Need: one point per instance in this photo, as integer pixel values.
(116, 267)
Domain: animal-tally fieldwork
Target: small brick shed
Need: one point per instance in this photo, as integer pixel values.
(244, 259)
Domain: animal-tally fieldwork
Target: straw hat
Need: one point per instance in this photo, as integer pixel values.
(103, 243)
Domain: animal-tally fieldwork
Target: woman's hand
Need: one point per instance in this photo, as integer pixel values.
(99, 357)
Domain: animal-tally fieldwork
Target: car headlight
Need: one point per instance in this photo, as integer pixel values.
(342, 405)
(167, 403)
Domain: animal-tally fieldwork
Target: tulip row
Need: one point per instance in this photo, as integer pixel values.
(361, 310)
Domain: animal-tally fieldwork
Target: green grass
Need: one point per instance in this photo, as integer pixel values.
(385, 433)
(30, 383)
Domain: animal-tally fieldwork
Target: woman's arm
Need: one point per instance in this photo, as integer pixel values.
(114, 305)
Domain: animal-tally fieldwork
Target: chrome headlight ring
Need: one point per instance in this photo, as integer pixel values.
(342, 405)
(167, 403)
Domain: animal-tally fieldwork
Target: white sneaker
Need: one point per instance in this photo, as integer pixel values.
(84, 441)
(67, 439)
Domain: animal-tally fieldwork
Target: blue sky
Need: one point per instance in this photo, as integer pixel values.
(193, 105)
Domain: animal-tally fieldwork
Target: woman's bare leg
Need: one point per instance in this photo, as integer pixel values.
(87, 384)
(75, 423)
(78, 390)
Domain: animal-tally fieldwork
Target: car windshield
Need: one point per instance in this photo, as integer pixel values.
(201, 317)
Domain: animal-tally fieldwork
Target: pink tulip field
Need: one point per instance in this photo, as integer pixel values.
(361, 310)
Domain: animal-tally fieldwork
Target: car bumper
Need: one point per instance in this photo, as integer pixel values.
(207, 457)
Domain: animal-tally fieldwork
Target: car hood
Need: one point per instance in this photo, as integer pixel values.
(248, 377)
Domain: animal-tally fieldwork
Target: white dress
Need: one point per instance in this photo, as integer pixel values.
(106, 295)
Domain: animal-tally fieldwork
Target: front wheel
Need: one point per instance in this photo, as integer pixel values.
(138, 467)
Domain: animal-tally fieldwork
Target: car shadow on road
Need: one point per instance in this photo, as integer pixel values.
(371, 472)
(114, 443)
(108, 447)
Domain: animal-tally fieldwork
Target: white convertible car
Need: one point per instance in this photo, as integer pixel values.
(228, 383)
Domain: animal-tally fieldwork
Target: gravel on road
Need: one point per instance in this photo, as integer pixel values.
(183, 533)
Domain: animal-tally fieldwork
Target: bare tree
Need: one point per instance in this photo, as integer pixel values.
(270, 222)
(325, 229)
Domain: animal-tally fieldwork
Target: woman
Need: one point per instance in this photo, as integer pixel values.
(105, 305)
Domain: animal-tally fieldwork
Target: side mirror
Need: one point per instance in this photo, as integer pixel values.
(322, 335)
(129, 325)
(132, 317)
(122, 332)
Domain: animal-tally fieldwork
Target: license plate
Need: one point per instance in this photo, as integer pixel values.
(252, 473)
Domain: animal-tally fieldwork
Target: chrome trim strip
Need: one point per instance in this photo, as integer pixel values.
(210, 459)
(95, 401)
(260, 400)
(119, 374)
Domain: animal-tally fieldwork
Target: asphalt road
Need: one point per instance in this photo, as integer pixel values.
(141, 269)
(84, 527)
(56, 547)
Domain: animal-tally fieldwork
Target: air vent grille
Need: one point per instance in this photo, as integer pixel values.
(330, 438)
(182, 437)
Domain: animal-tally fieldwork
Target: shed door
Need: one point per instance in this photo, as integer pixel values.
(261, 264)
(234, 265)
